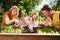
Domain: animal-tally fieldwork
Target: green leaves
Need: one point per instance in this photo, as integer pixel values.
(42, 20)
(56, 5)
(45, 30)
(10, 29)
(48, 30)
(28, 5)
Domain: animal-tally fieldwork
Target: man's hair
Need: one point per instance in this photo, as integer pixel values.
(46, 7)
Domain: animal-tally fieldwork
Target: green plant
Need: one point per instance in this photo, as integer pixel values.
(42, 20)
(48, 30)
(10, 29)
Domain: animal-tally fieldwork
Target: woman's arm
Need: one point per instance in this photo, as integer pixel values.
(7, 21)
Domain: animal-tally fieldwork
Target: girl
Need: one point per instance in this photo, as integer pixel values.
(34, 22)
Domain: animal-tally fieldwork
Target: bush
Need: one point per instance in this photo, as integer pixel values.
(9, 29)
(47, 30)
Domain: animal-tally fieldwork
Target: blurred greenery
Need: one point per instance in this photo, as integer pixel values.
(25, 5)
(47, 31)
(56, 5)
(9, 29)
(1, 13)
(28, 6)
(42, 20)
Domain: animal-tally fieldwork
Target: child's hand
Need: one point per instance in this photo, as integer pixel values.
(15, 20)
(17, 24)
(47, 24)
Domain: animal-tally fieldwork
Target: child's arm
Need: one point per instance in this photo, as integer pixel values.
(47, 23)
(7, 21)
(26, 22)
(17, 24)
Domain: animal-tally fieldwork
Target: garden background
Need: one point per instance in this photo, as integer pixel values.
(28, 6)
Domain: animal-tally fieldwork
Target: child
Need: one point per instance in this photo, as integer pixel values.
(34, 22)
(23, 21)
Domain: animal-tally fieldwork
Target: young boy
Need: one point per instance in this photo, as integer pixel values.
(23, 22)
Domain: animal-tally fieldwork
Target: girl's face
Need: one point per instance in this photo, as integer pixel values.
(14, 11)
(34, 17)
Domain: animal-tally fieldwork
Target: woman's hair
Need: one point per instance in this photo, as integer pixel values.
(12, 8)
(21, 13)
(46, 7)
(9, 14)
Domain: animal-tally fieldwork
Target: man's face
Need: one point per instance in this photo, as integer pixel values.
(46, 13)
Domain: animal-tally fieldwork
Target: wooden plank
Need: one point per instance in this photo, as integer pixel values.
(18, 37)
(28, 37)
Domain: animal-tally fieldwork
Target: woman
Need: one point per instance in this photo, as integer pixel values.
(34, 22)
(10, 17)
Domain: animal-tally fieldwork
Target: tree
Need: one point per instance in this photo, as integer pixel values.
(56, 5)
(24, 5)
(27, 5)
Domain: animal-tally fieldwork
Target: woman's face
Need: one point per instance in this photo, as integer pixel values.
(14, 11)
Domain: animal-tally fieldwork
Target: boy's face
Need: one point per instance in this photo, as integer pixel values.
(22, 16)
(45, 12)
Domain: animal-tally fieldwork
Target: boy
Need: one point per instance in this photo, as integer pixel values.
(23, 22)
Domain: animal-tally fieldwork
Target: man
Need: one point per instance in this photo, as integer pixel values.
(52, 17)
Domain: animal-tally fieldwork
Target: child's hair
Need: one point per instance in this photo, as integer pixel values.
(21, 13)
(36, 15)
(46, 7)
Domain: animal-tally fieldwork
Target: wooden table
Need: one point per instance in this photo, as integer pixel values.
(28, 36)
